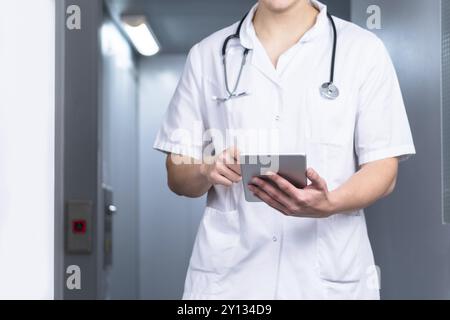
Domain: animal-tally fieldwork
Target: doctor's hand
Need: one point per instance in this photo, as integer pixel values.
(310, 202)
(223, 169)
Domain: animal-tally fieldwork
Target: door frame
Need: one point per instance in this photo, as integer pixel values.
(77, 143)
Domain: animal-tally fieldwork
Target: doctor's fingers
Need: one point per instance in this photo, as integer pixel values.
(234, 153)
(263, 196)
(230, 156)
(217, 179)
(228, 173)
(275, 194)
(316, 179)
(235, 167)
(284, 185)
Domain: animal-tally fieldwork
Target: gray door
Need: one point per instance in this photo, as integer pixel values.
(119, 143)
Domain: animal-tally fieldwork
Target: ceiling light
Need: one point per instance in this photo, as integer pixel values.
(141, 35)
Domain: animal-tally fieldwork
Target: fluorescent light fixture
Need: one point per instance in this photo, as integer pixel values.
(141, 35)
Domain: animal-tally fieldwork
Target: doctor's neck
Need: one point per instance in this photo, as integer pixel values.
(284, 21)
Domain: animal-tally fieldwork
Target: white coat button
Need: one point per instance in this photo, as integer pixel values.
(277, 118)
(274, 239)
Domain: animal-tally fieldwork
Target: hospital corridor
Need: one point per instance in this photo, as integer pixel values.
(91, 92)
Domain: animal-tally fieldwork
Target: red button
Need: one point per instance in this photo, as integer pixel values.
(79, 226)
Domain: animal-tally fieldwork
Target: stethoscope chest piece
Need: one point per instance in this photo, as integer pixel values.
(329, 91)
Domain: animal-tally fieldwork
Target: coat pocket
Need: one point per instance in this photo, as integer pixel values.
(341, 290)
(216, 243)
(331, 121)
(214, 254)
(339, 240)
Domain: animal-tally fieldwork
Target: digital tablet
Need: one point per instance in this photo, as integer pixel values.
(292, 167)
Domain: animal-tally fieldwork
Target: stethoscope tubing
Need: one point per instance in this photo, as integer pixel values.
(328, 90)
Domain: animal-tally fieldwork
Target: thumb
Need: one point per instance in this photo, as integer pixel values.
(236, 153)
(233, 152)
(315, 179)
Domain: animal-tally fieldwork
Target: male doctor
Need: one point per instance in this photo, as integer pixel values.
(307, 243)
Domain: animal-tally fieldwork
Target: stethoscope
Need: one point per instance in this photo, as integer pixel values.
(328, 90)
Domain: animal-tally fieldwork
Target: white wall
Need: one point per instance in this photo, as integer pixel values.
(27, 59)
(168, 223)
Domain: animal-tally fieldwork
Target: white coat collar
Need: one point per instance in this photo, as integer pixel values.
(248, 34)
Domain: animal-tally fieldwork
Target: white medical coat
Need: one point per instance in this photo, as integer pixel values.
(250, 251)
